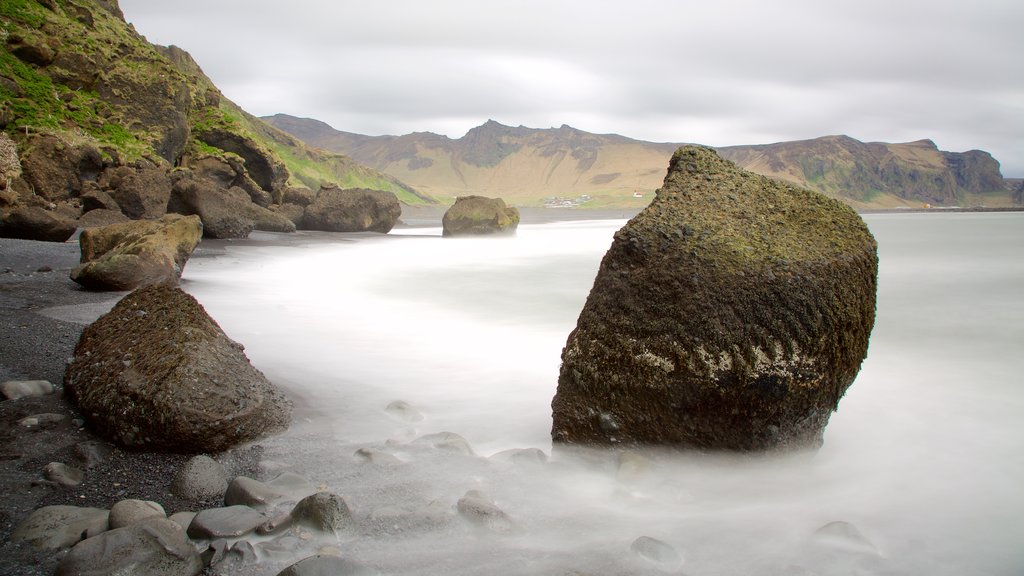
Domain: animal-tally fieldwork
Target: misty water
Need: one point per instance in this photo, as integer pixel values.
(925, 457)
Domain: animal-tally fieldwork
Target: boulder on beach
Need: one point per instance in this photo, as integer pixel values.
(475, 215)
(157, 372)
(352, 210)
(35, 223)
(731, 313)
(225, 212)
(154, 547)
(128, 255)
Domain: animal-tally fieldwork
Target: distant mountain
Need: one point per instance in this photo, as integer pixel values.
(530, 166)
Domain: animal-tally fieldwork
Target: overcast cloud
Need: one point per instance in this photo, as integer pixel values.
(713, 72)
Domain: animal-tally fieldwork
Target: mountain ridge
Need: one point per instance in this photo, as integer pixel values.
(534, 166)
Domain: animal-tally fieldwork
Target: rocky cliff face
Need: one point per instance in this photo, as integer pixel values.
(526, 166)
(82, 95)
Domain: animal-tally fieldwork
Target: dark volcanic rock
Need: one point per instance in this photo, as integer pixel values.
(140, 192)
(263, 167)
(137, 253)
(34, 223)
(352, 210)
(731, 313)
(55, 169)
(157, 372)
(226, 212)
(479, 215)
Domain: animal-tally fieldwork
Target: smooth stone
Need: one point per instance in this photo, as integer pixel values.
(229, 522)
(656, 551)
(57, 527)
(201, 478)
(152, 547)
(286, 487)
(325, 565)
(325, 512)
(403, 411)
(447, 441)
(63, 474)
(128, 512)
(14, 389)
(843, 536)
(522, 456)
(479, 509)
(42, 420)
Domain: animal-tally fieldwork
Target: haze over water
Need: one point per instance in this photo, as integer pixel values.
(923, 456)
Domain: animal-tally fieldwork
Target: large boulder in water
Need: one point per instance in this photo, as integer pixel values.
(157, 372)
(731, 313)
(131, 254)
(472, 215)
(352, 210)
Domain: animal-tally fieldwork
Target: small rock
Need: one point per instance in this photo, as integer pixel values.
(403, 411)
(325, 512)
(448, 441)
(229, 522)
(522, 456)
(14, 389)
(42, 420)
(654, 550)
(479, 509)
(92, 453)
(286, 487)
(128, 512)
(63, 474)
(843, 536)
(325, 565)
(57, 527)
(201, 478)
(376, 456)
(152, 547)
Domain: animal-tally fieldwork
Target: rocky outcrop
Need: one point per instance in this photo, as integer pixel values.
(225, 212)
(264, 168)
(35, 223)
(352, 210)
(138, 253)
(731, 313)
(140, 191)
(55, 169)
(157, 372)
(475, 215)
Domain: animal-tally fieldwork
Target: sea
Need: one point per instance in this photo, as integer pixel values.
(423, 368)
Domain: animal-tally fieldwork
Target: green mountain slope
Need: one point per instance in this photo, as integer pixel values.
(75, 71)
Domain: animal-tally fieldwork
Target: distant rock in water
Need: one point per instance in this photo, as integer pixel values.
(157, 372)
(474, 215)
(352, 210)
(731, 313)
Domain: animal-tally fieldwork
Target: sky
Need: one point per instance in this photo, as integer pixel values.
(719, 73)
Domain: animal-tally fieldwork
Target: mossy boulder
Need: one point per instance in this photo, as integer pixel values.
(352, 210)
(475, 215)
(731, 313)
(137, 253)
(157, 372)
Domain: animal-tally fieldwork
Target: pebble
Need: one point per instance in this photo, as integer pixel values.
(286, 487)
(448, 441)
(128, 512)
(229, 522)
(63, 474)
(57, 527)
(42, 420)
(201, 478)
(14, 389)
(376, 456)
(92, 453)
(522, 456)
(325, 512)
(654, 550)
(403, 411)
(152, 547)
(479, 509)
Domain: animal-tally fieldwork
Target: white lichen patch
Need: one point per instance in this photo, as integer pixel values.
(651, 359)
